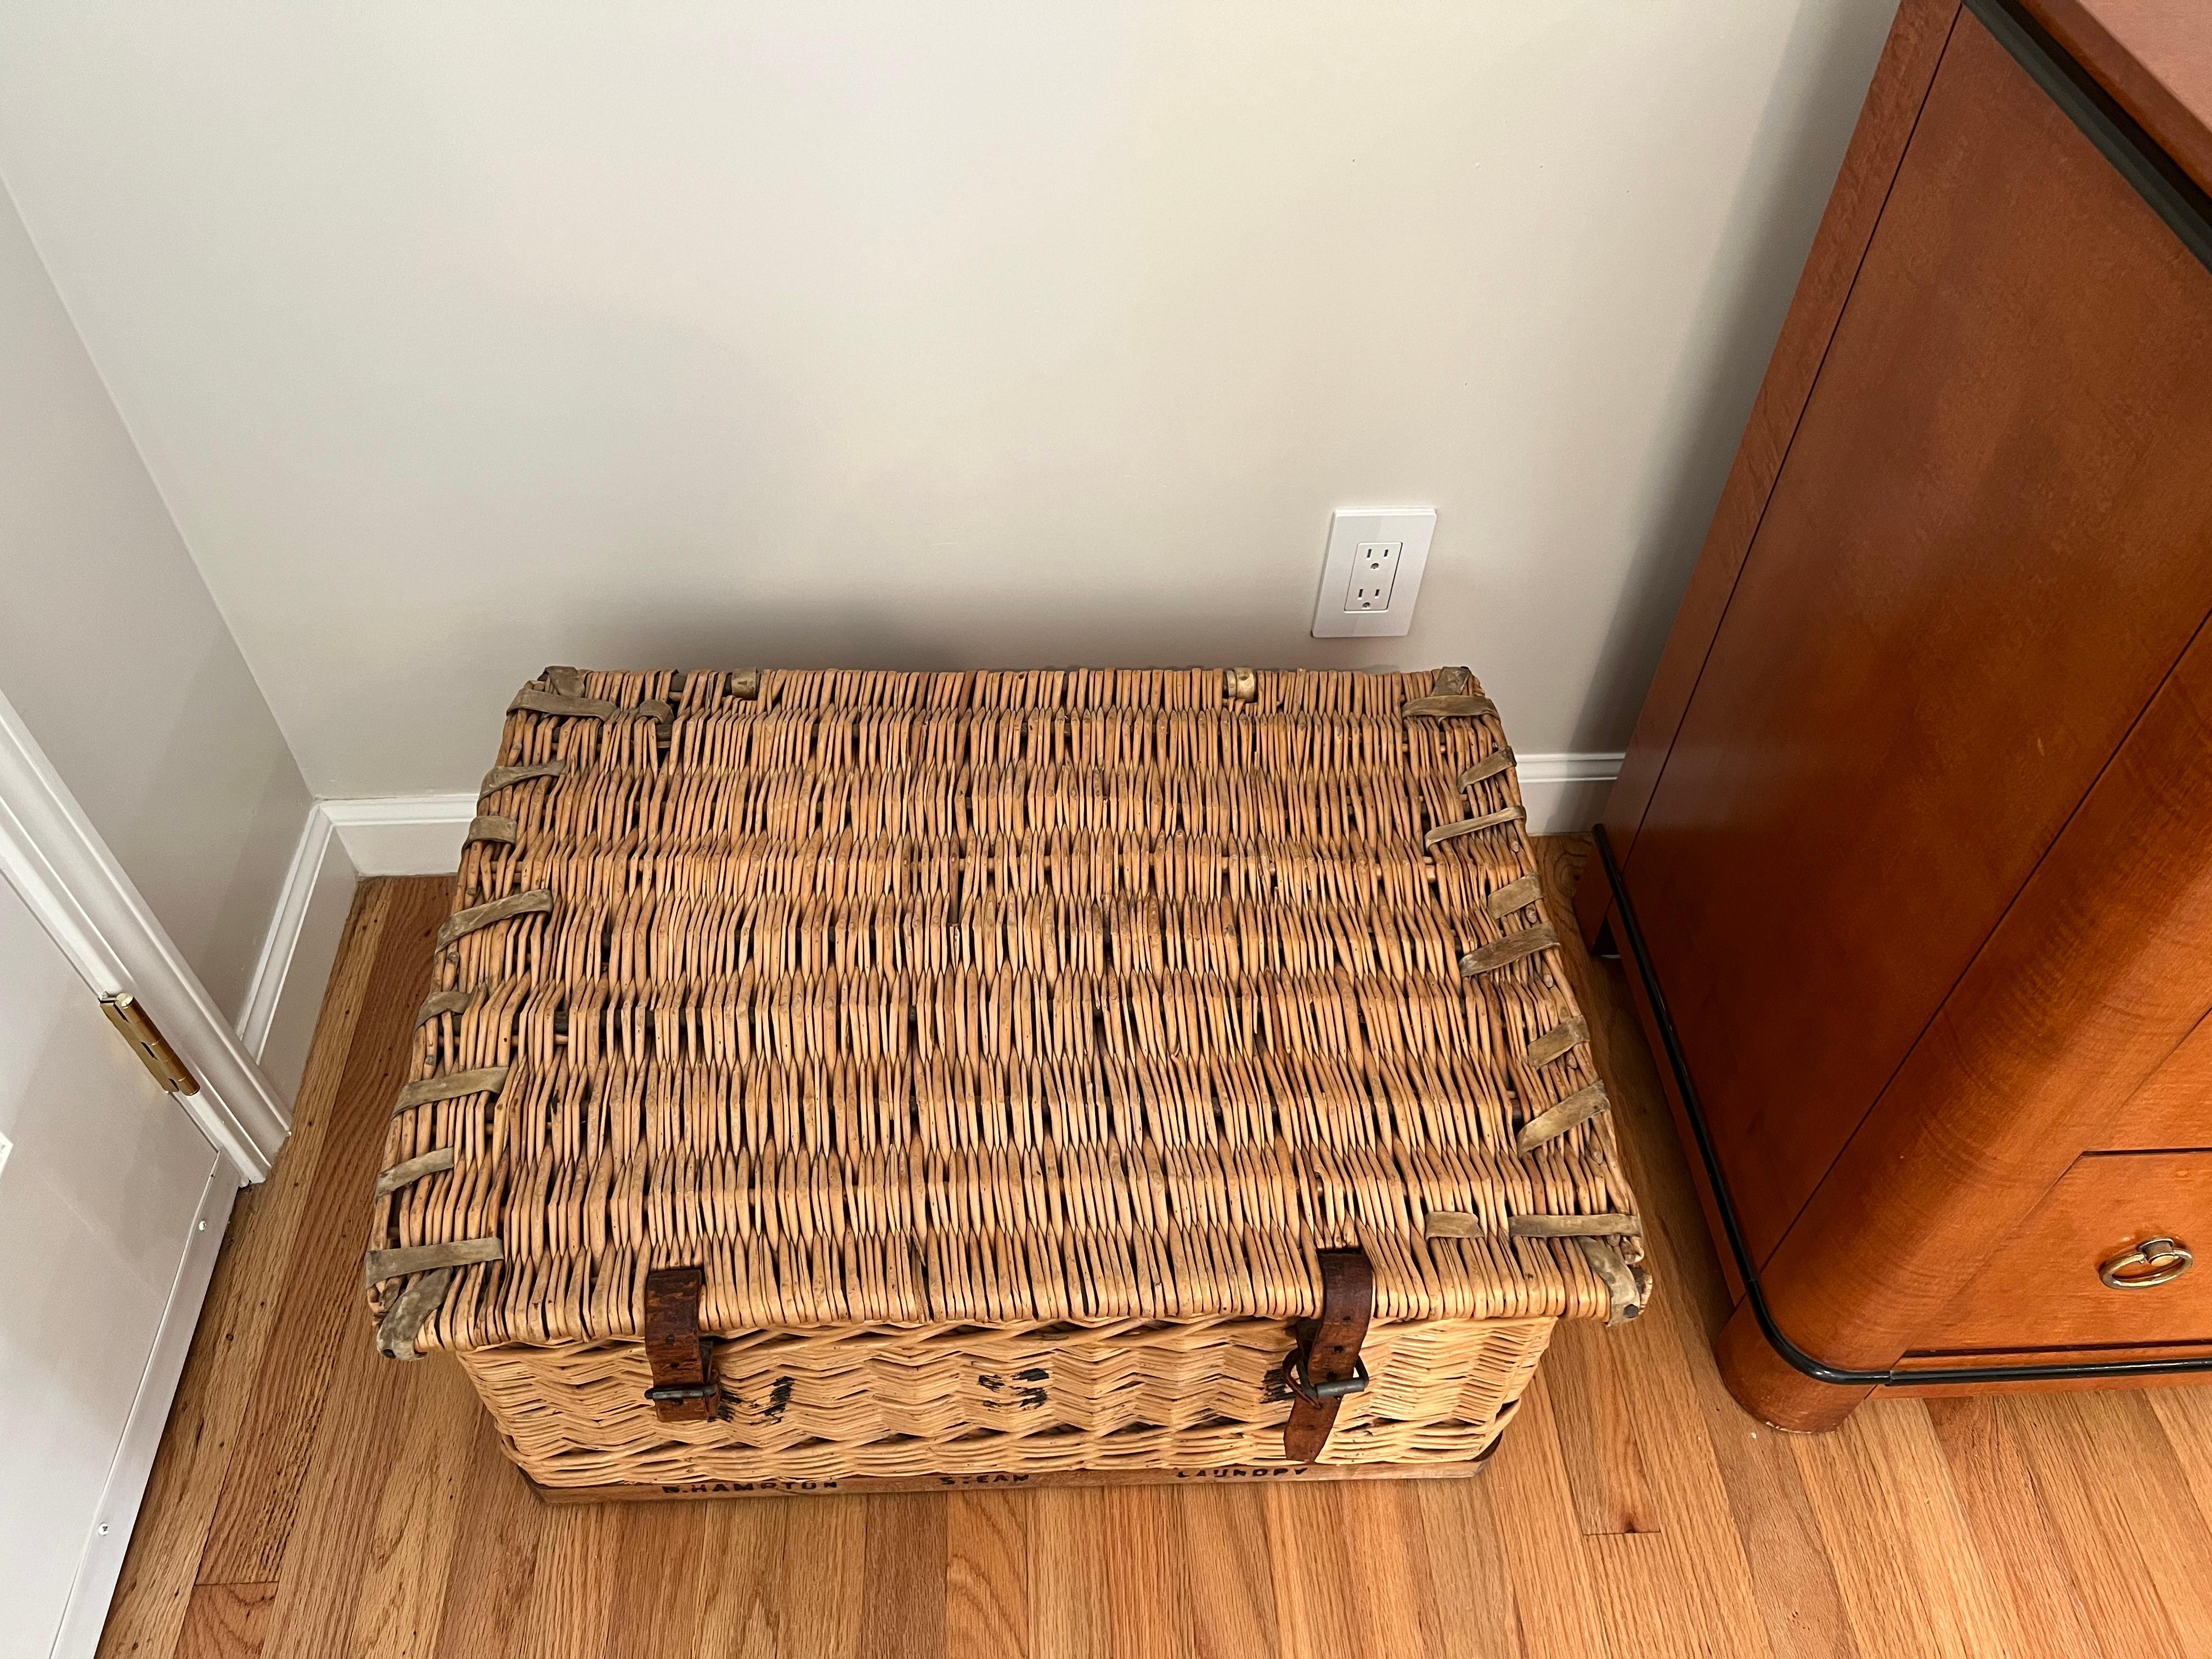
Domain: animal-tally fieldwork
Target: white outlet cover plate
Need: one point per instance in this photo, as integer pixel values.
(1348, 526)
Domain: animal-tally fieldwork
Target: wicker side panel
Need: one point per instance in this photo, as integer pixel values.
(883, 1402)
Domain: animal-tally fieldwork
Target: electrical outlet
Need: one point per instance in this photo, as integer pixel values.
(1374, 571)
(1372, 574)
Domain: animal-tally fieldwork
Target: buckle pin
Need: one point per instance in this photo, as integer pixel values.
(1294, 1373)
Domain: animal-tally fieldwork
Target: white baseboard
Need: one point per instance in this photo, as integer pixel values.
(343, 841)
(285, 997)
(1566, 793)
(402, 834)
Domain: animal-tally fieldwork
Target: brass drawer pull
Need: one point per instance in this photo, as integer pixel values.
(2167, 1258)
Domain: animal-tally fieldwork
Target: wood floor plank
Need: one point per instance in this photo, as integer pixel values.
(1149, 1612)
(1911, 1577)
(1793, 1577)
(489, 1591)
(1309, 1562)
(320, 1305)
(2125, 1516)
(741, 1588)
(2185, 1415)
(825, 1577)
(331, 1515)
(660, 1572)
(1556, 1600)
(2012, 1527)
(215, 1392)
(1650, 1602)
(1394, 1595)
(1477, 1617)
(226, 1621)
(1703, 1555)
(1068, 1601)
(903, 1609)
(1222, 1539)
(1598, 1434)
(986, 1577)
(572, 1595)
(417, 1531)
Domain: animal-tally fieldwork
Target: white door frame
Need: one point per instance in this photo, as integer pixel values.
(51, 855)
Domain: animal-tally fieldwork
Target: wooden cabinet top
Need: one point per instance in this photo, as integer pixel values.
(2154, 58)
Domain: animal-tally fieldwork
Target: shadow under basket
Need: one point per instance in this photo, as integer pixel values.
(840, 1081)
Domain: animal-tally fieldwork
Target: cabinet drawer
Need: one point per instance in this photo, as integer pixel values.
(2042, 1289)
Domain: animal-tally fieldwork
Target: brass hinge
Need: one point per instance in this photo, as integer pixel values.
(147, 1041)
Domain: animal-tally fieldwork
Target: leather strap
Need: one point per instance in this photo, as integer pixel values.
(1512, 948)
(380, 1265)
(441, 1002)
(1444, 832)
(1488, 766)
(1585, 1103)
(1325, 1366)
(531, 701)
(684, 1386)
(1556, 1041)
(1446, 708)
(414, 1169)
(537, 901)
(429, 1091)
(500, 777)
(410, 1311)
(1514, 896)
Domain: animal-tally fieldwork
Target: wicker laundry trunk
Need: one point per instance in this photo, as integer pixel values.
(835, 1079)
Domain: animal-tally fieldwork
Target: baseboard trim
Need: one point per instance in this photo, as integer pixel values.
(342, 841)
(402, 834)
(1566, 793)
(286, 993)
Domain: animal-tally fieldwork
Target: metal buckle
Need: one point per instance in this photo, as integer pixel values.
(670, 1396)
(1294, 1373)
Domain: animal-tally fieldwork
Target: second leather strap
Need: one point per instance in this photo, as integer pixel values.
(1324, 1368)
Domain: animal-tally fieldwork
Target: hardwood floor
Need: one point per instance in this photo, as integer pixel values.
(312, 1500)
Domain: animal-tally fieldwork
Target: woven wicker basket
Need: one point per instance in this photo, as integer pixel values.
(1007, 1048)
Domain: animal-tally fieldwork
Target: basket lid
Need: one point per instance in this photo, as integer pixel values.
(995, 998)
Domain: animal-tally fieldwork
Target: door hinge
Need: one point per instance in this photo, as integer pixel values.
(147, 1041)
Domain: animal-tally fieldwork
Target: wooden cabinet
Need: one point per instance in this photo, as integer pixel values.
(2063, 1280)
(1916, 824)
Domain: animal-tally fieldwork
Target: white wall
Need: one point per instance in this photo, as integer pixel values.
(464, 338)
(114, 654)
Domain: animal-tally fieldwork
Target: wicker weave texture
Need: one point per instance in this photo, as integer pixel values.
(1007, 998)
(1000, 1004)
(963, 1400)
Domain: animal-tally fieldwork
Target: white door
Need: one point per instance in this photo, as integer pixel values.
(111, 1203)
